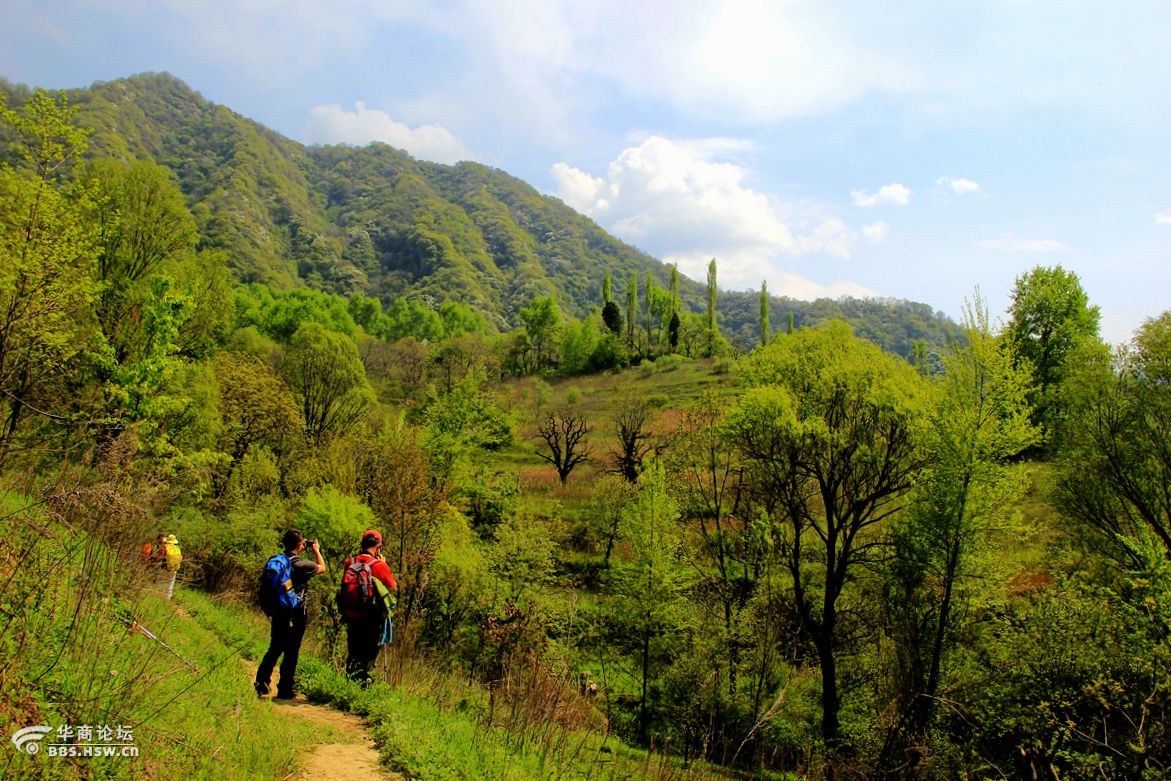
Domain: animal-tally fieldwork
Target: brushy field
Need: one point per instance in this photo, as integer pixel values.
(89, 640)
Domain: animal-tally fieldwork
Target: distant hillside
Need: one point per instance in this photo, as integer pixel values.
(376, 221)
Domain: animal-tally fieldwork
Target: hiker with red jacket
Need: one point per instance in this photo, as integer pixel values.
(364, 599)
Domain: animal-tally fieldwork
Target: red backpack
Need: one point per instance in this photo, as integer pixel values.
(356, 593)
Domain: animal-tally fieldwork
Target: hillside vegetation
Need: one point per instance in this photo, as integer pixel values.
(631, 540)
(375, 221)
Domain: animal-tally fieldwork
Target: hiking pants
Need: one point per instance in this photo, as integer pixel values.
(362, 636)
(288, 627)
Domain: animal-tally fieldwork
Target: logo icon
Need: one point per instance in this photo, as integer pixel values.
(28, 739)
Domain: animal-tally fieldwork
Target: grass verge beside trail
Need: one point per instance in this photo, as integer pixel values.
(70, 661)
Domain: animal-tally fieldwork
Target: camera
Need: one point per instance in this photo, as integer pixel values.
(310, 543)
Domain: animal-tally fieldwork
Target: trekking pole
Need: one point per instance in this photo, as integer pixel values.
(136, 627)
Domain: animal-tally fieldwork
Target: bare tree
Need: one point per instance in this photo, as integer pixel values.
(632, 426)
(564, 433)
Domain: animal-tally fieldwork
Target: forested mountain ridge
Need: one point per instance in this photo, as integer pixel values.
(374, 220)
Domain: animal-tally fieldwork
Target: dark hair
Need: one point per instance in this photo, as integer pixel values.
(292, 539)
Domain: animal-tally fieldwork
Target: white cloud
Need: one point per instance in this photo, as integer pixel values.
(752, 60)
(876, 232)
(1163, 218)
(686, 202)
(893, 194)
(1024, 245)
(334, 125)
(959, 185)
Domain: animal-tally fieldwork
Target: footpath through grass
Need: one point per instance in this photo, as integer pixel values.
(93, 654)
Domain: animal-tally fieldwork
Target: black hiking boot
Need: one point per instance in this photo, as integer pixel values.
(261, 689)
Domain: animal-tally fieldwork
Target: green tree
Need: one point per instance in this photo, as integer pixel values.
(827, 428)
(707, 471)
(649, 584)
(522, 557)
(578, 347)
(712, 293)
(144, 223)
(631, 308)
(1050, 318)
(256, 406)
(650, 295)
(411, 317)
(335, 519)
(542, 320)
(765, 328)
(676, 302)
(459, 319)
(1116, 461)
(48, 277)
(673, 331)
(207, 289)
(393, 475)
(969, 490)
(324, 370)
(612, 317)
(607, 291)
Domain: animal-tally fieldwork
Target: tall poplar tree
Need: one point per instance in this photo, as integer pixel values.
(765, 328)
(650, 584)
(676, 301)
(711, 307)
(631, 308)
(651, 292)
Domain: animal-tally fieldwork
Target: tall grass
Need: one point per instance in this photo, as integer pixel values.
(88, 639)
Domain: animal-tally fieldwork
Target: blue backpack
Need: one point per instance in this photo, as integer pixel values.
(276, 585)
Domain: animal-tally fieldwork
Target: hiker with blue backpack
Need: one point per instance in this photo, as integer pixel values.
(282, 598)
(365, 600)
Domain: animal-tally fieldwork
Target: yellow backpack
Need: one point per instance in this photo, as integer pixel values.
(174, 556)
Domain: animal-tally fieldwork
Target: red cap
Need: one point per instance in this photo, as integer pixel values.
(370, 538)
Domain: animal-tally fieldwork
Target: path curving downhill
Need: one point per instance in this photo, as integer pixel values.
(353, 756)
(356, 757)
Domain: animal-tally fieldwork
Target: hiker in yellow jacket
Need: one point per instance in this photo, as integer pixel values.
(173, 558)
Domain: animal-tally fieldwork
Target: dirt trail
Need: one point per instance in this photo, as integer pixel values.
(353, 757)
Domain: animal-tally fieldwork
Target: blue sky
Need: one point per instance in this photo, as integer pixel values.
(917, 150)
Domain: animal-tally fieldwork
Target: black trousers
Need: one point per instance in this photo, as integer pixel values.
(362, 636)
(288, 627)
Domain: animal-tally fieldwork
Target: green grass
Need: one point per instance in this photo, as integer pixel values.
(69, 658)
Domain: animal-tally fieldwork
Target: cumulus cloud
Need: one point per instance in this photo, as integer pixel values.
(959, 185)
(875, 232)
(334, 125)
(893, 194)
(689, 201)
(1024, 245)
(754, 60)
(1163, 218)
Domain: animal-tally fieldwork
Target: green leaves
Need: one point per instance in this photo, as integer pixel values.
(324, 369)
(48, 282)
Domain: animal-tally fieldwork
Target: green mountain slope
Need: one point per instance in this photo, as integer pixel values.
(376, 221)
